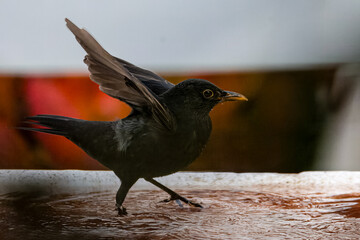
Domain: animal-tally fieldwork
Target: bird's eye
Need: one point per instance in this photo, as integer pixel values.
(208, 93)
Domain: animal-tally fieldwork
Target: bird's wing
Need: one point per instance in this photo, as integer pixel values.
(117, 80)
(154, 82)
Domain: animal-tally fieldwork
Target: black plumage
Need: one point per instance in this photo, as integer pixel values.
(166, 131)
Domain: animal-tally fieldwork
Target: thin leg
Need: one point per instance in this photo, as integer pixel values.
(173, 195)
(121, 194)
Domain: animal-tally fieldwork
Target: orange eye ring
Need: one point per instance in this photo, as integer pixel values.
(207, 93)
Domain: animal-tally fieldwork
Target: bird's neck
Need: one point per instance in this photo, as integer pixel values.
(188, 115)
(185, 110)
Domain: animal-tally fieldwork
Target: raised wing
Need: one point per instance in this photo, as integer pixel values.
(119, 81)
(152, 81)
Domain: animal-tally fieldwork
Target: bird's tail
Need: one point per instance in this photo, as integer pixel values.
(51, 124)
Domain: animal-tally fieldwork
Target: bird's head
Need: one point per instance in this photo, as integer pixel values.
(198, 95)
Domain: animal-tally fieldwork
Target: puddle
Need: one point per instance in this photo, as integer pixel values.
(226, 215)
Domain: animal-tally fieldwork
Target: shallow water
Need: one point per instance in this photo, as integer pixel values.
(226, 215)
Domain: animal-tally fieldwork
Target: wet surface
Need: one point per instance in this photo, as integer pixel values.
(226, 215)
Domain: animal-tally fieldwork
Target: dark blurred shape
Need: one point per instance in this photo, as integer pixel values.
(339, 144)
(277, 130)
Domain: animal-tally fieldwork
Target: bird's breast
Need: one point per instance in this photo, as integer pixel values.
(176, 151)
(147, 152)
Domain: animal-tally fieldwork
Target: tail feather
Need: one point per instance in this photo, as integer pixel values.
(53, 124)
(43, 130)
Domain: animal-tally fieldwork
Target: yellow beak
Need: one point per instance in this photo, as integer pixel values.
(233, 96)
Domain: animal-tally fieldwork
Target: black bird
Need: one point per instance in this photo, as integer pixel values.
(167, 129)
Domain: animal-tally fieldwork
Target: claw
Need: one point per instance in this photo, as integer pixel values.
(173, 195)
(179, 203)
(178, 199)
(121, 210)
(195, 204)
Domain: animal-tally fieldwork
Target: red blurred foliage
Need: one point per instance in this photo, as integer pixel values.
(14, 150)
(74, 97)
(277, 130)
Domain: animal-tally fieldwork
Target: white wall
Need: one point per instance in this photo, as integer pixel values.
(181, 35)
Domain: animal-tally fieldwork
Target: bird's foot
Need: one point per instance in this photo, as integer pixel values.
(121, 210)
(178, 199)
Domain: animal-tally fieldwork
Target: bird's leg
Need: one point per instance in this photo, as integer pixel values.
(121, 194)
(173, 195)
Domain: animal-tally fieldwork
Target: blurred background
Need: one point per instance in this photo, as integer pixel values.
(296, 61)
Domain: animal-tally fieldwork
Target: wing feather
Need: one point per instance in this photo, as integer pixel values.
(153, 81)
(123, 80)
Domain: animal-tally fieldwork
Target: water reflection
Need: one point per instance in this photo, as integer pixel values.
(227, 215)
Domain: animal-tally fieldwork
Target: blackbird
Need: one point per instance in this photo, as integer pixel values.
(167, 129)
